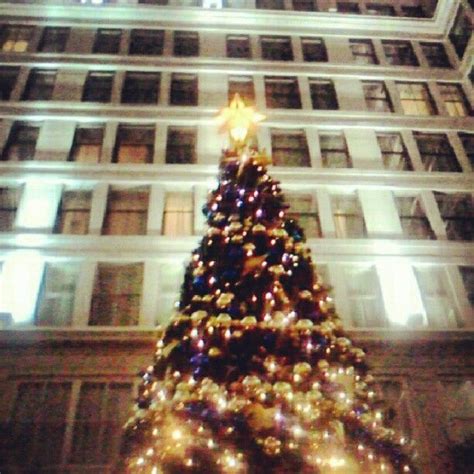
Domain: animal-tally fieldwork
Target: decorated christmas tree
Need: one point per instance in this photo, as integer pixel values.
(254, 373)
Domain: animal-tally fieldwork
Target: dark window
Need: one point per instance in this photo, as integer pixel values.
(9, 199)
(282, 92)
(184, 89)
(53, 40)
(394, 154)
(134, 144)
(323, 94)
(181, 145)
(467, 140)
(399, 53)
(186, 43)
(40, 85)
(376, 96)
(242, 85)
(8, 76)
(87, 144)
(379, 9)
(98, 87)
(416, 11)
(21, 143)
(270, 4)
(467, 274)
(276, 48)
(436, 152)
(415, 98)
(457, 212)
(454, 99)
(238, 46)
(461, 32)
(290, 148)
(334, 152)
(435, 54)
(348, 7)
(363, 51)
(305, 5)
(74, 212)
(415, 224)
(146, 42)
(141, 88)
(314, 49)
(107, 41)
(15, 38)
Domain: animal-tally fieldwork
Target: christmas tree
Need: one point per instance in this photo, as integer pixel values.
(255, 374)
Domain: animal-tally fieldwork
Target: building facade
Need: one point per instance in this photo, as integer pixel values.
(108, 149)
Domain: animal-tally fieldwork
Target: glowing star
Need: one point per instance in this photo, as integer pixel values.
(238, 119)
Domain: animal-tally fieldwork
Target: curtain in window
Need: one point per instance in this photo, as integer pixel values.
(9, 198)
(178, 214)
(415, 99)
(74, 213)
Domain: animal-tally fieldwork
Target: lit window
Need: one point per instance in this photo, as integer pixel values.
(98, 87)
(270, 4)
(186, 43)
(454, 99)
(467, 140)
(305, 5)
(184, 89)
(376, 96)
(457, 212)
(276, 48)
(40, 84)
(435, 54)
(348, 7)
(74, 212)
(107, 41)
(181, 145)
(467, 274)
(15, 38)
(146, 42)
(242, 85)
(399, 53)
(415, 224)
(363, 51)
(334, 152)
(56, 297)
(436, 152)
(314, 49)
(282, 92)
(394, 154)
(141, 88)
(290, 148)
(127, 211)
(461, 31)
(302, 211)
(178, 214)
(348, 216)
(134, 144)
(415, 98)
(87, 144)
(238, 46)
(8, 77)
(9, 199)
(323, 94)
(21, 143)
(53, 40)
(379, 9)
(117, 294)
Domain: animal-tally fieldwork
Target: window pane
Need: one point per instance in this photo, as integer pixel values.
(348, 216)
(181, 145)
(134, 144)
(376, 96)
(457, 212)
(178, 214)
(98, 87)
(454, 100)
(415, 98)
(436, 152)
(242, 85)
(74, 212)
(21, 143)
(394, 154)
(323, 94)
(276, 48)
(435, 54)
(107, 41)
(146, 42)
(141, 88)
(53, 40)
(467, 274)
(9, 199)
(363, 51)
(290, 148)
(186, 43)
(467, 140)
(87, 144)
(40, 85)
(15, 38)
(304, 213)
(415, 224)
(334, 152)
(282, 92)
(8, 77)
(314, 49)
(184, 89)
(399, 53)
(238, 46)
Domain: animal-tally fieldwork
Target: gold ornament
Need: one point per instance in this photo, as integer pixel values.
(214, 352)
(277, 270)
(198, 315)
(224, 300)
(272, 446)
(223, 319)
(302, 368)
(304, 324)
(279, 233)
(305, 295)
(249, 321)
(259, 229)
(282, 388)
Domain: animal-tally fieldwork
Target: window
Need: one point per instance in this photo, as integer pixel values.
(435, 54)
(304, 213)
(379, 9)
(314, 49)
(98, 424)
(394, 154)
(134, 144)
(9, 199)
(153, 2)
(415, 11)
(107, 41)
(242, 85)
(376, 96)
(184, 89)
(437, 299)
(178, 214)
(467, 140)
(282, 92)
(415, 98)
(146, 42)
(116, 295)
(141, 88)
(21, 143)
(276, 48)
(238, 46)
(399, 53)
(87, 144)
(8, 76)
(436, 152)
(53, 40)
(270, 4)
(323, 94)
(98, 87)
(457, 212)
(415, 224)
(15, 38)
(363, 51)
(395, 399)
(365, 302)
(56, 296)
(454, 99)
(461, 32)
(348, 216)
(467, 274)
(290, 148)
(181, 145)
(348, 7)
(40, 84)
(305, 5)
(186, 43)
(334, 152)
(74, 212)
